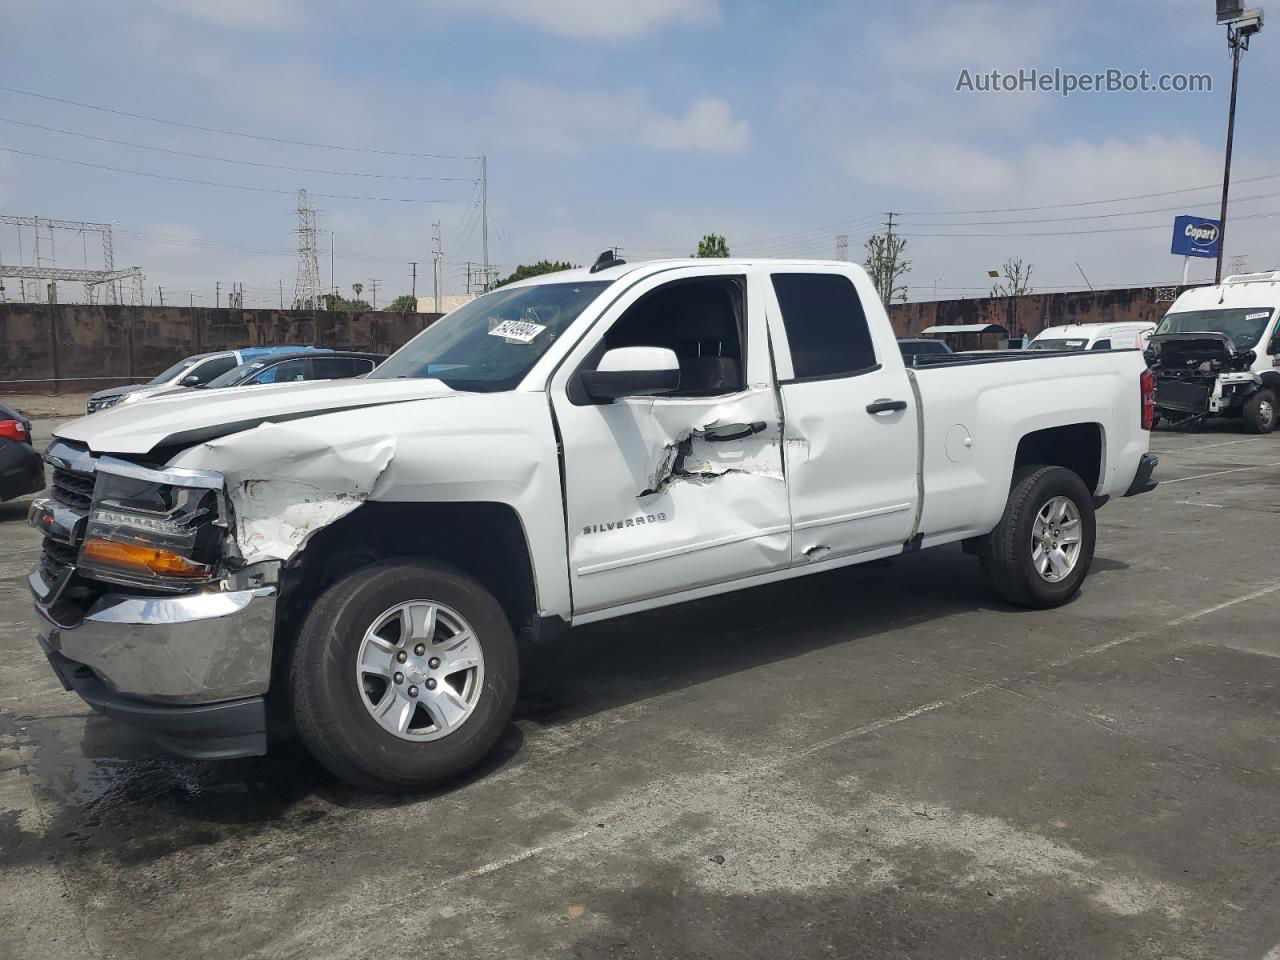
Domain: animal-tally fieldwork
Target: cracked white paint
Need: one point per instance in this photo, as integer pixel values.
(680, 452)
(285, 484)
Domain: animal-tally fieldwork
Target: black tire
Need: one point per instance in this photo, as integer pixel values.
(1008, 563)
(326, 704)
(1260, 411)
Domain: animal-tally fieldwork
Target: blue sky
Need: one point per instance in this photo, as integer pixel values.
(644, 125)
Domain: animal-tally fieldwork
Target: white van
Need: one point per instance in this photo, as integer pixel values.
(1094, 336)
(1217, 353)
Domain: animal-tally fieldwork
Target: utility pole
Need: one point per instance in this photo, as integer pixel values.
(373, 293)
(484, 218)
(191, 299)
(282, 293)
(1241, 25)
(217, 293)
(161, 290)
(437, 251)
(413, 289)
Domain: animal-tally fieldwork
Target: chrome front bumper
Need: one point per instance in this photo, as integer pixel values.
(194, 649)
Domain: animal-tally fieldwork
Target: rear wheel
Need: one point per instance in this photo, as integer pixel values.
(1040, 552)
(403, 675)
(1260, 412)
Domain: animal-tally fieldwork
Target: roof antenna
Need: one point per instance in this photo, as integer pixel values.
(608, 258)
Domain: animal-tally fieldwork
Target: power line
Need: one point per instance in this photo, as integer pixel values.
(1091, 216)
(1075, 233)
(235, 133)
(209, 183)
(1082, 203)
(249, 163)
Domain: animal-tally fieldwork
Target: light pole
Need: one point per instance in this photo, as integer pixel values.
(1241, 25)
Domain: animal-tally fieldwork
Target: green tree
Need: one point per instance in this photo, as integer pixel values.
(712, 245)
(886, 266)
(403, 304)
(334, 301)
(527, 270)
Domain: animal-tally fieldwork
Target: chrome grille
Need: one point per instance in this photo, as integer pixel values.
(72, 488)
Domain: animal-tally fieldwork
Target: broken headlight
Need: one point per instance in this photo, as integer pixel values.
(153, 527)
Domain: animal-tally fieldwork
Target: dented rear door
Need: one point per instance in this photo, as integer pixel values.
(661, 494)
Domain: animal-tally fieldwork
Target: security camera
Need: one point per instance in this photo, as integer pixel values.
(1250, 22)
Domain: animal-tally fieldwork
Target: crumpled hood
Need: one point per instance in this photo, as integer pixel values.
(197, 415)
(1190, 349)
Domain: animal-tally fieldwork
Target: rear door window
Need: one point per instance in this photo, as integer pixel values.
(338, 368)
(1101, 345)
(826, 326)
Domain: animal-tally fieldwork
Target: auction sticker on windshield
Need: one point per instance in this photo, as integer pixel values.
(1258, 316)
(521, 331)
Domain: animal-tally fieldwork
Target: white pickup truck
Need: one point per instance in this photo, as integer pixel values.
(356, 559)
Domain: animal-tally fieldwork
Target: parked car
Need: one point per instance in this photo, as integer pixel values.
(579, 446)
(193, 371)
(21, 467)
(290, 367)
(1216, 353)
(913, 347)
(1094, 336)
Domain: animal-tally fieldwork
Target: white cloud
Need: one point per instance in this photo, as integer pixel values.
(597, 19)
(241, 14)
(557, 119)
(981, 35)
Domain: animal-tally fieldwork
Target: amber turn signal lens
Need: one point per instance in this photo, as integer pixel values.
(138, 559)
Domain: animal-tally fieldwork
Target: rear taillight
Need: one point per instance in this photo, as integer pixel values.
(1148, 400)
(14, 430)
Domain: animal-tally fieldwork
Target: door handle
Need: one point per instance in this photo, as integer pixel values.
(731, 431)
(886, 406)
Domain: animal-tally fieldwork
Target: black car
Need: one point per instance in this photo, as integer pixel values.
(21, 467)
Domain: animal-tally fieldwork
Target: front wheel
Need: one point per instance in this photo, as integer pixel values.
(1260, 412)
(404, 674)
(1040, 552)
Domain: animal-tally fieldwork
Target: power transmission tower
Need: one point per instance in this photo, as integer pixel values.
(437, 251)
(306, 291)
(842, 247)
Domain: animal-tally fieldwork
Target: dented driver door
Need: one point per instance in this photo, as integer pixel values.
(669, 494)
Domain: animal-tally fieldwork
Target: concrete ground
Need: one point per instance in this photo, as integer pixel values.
(876, 762)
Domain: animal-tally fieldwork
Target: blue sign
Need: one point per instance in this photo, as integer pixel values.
(1196, 236)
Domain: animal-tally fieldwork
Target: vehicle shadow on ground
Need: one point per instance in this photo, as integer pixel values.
(111, 794)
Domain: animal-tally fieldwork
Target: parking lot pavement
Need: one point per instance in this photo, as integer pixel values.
(879, 762)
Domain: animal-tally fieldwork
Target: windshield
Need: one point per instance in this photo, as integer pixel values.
(1244, 325)
(491, 343)
(172, 372)
(1059, 343)
(235, 375)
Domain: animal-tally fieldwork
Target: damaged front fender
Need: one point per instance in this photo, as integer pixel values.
(284, 484)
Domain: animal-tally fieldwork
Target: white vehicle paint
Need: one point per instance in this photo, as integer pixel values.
(1094, 336)
(1216, 353)
(672, 430)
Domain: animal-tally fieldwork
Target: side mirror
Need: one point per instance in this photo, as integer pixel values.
(632, 372)
(192, 380)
